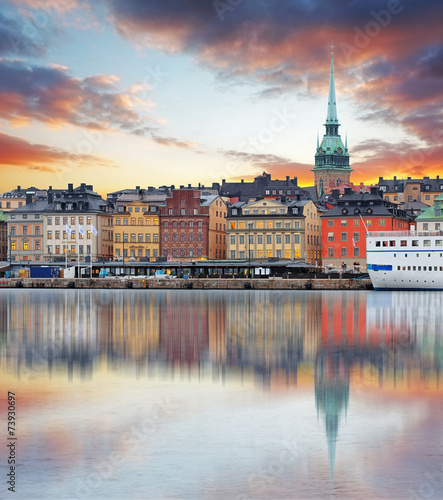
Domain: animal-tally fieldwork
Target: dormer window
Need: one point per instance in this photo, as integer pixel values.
(427, 187)
(234, 211)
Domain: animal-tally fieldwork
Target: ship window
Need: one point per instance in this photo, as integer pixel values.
(415, 243)
(429, 254)
(435, 268)
(441, 268)
(413, 268)
(385, 243)
(409, 268)
(398, 268)
(438, 243)
(416, 255)
(403, 243)
(406, 254)
(419, 268)
(424, 268)
(392, 243)
(404, 268)
(395, 255)
(427, 243)
(377, 243)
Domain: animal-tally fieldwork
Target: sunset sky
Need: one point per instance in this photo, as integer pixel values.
(119, 93)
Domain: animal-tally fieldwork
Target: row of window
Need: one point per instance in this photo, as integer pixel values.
(136, 222)
(26, 245)
(403, 243)
(260, 254)
(140, 238)
(268, 225)
(419, 268)
(152, 209)
(427, 226)
(344, 237)
(183, 223)
(25, 229)
(183, 237)
(59, 249)
(343, 252)
(64, 235)
(268, 238)
(73, 221)
(136, 252)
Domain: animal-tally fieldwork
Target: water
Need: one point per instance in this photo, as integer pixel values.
(223, 394)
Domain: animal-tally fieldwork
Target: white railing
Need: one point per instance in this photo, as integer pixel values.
(399, 234)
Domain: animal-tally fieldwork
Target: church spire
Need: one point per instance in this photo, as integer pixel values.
(332, 105)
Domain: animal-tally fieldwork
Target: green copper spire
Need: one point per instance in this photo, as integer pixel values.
(332, 104)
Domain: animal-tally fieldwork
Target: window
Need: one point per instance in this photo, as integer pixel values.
(297, 239)
(191, 237)
(200, 223)
(287, 238)
(356, 252)
(241, 239)
(344, 237)
(191, 223)
(232, 240)
(278, 239)
(25, 229)
(381, 222)
(182, 223)
(259, 239)
(49, 235)
(25, 245)
(155, 238)
(232, 254)
(118, 221)
(182, 236)
(330, 252)
(269, 239)
(356, 222)
(117, 237)
(330, 236)
(147, 238)
(49, 221)
(343, 223)
(169, 211)
(251, 239)
(344, 252)
(356, 236)
(57, 221)
(330, 223)
(425, 226)
(140, 238)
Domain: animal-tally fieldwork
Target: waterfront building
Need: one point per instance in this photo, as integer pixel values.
(69, 224)
(431, 219)
(345, 225)
(136, 225)
(410, 190)
(193, 226)
(266, 229)
(331, 157)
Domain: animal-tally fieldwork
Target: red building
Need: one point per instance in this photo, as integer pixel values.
(345, 225)
(193, 226)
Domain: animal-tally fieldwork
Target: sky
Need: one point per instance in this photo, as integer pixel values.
(125, 93)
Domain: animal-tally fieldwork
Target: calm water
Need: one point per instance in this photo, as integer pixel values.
(224, 394)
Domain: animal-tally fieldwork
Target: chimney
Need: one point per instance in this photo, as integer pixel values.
(438, 177)
(374, 191)
(83, 187)
(19, 188)
(395, 177)
(242, 181)
(409, 178)
(295, 181)
(137, 188)
(189, 185)
(335, 193)
(381, 178)
(90, 187)
(348, 190)
(29, 197)
(70, 188)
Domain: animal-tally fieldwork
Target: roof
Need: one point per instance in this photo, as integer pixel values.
(208, 200)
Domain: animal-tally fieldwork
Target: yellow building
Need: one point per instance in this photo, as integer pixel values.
(136, 226)
(267, 229)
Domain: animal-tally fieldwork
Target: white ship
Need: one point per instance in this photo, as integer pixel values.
(405, 260)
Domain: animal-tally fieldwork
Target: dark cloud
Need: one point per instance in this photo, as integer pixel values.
(52, 96)
(171, 142)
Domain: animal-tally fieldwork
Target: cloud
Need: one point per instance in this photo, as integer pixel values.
(171, 142)
(52, 96)
(22, 154)
(19, 37)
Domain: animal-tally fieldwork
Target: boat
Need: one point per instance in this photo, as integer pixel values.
(405, 260)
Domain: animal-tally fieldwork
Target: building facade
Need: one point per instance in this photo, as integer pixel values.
(431, 219)
(331, 157)
(345, 225)
(266, 229)
(67, 225)
(137, 226)
(193, 226)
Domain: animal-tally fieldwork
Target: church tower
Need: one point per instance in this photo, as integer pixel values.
(331, 157)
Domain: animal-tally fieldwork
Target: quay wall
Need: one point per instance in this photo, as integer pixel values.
(194, 283)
